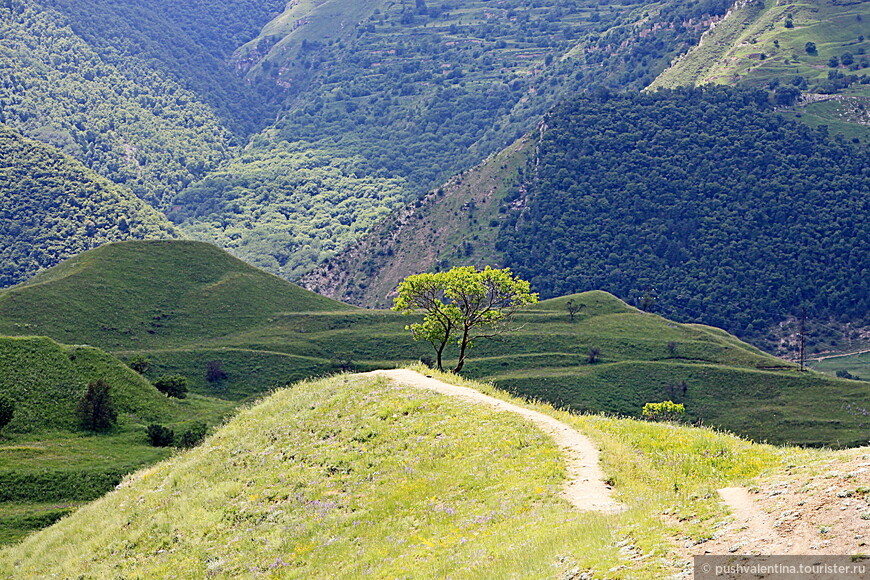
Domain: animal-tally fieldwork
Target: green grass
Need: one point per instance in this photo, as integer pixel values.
(271, 334)
(44, 457)
(268, 333)
(46, 379)
(141, 294)
(730, 53)
(856, 364)
(352, 476)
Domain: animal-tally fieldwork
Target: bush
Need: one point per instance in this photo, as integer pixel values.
(140, 364)
(7, 410)
(664, 411)
(192, 436)
(172, 386)
(594, 355)
(96, 409)
(160, 436)
(214, 371)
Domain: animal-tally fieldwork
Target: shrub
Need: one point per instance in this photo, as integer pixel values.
(214, 371)
(193, 435)
(160, 436)
(593, 355)
(140, 364)
(96, 409)
(172, 386)
(664, 411)
(7, 410)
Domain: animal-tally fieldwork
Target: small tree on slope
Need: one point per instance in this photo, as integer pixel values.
(463, 304)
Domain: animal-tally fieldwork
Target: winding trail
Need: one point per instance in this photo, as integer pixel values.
(585, 488)
(754, 531)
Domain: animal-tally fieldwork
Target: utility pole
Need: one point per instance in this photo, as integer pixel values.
(803, 341)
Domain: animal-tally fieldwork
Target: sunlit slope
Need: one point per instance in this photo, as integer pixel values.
(355, 477)
(761, 41)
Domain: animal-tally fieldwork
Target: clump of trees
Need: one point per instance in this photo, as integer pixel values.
(214, 371)
(462, 305)
(160, 436)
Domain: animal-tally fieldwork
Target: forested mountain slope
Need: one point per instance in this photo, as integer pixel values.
(707, 200)
(384, 100)
(139, 92)
(52, 208)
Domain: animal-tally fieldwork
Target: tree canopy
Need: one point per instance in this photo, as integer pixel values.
(705, 200)
(462, 304)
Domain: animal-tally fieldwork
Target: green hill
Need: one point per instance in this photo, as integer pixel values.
(187, 306)
(149, 293)
(48, 464)
(705, 199)
(45, 380)
(53, 208)
(355, 477)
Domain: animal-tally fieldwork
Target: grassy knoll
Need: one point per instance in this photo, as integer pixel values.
(268, 333)
(353, 476)
(47, 464)
(143, 294)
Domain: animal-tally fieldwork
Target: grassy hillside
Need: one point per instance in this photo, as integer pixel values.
(53, 208)
(265, 332)
(46, 379)
(48, 465)
(762, 41)
(353, 476)
(141, 294)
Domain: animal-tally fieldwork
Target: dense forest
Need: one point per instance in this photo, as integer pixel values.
(699, 203)
(288, 213)
(404, 97)
(52, 208)
(129, 89)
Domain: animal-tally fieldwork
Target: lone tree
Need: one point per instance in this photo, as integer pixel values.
(573, 308)
(96, 409)
(463, 304)
(172, 386)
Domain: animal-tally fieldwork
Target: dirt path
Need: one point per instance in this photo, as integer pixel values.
(829, 356)
(585, 489)
(754, 530)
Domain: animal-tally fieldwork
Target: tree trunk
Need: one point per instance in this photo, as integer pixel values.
(462, 348)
